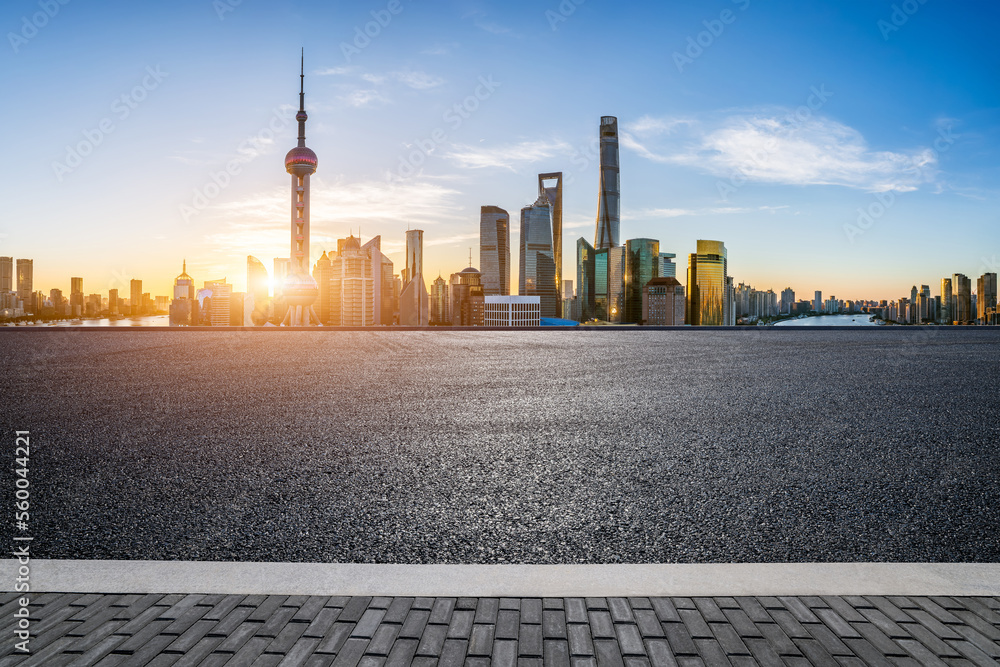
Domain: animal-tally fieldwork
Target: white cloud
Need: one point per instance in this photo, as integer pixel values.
(333, 71)
(506, 157)
(687, 212)
(418, 80)
(364, 97)
(777, 147)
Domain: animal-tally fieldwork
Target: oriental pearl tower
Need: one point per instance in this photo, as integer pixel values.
(300, 289)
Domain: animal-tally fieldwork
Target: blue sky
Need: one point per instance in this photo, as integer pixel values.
(769, 125)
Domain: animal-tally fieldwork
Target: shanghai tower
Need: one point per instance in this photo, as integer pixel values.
(608, 206)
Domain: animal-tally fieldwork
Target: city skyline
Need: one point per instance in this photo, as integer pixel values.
(912, 142)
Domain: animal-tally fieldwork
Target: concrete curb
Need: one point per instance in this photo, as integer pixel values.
(737, 579)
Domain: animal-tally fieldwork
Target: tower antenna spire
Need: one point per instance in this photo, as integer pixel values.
(301, 115)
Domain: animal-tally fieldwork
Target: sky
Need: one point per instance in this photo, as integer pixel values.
(848, 147)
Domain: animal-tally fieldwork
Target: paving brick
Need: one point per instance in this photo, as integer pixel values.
(529, 641)
(555, 653)
(597, 604)
(335, 638)
(423, 603)
(665, 610)
(709, 610)
(275, 623)
(621, 610)
(640, 603)
(755, 610)
(368, 623)
(879, 639)
(289, 635)
(351, 652)
(982, 610)
(867, 652)
(836, 623)
(397, 611)
(453, 654)
(461, 624)
(481, 640)
(921, 653)
(930, 640)
(321, 623)
(402, 653)
(383, 639)
(504, 653)
(764, 653)
(531, 610)
(648, 623)
(695, 624)
(629, 639)
(679, 638)
(976, 622)
(777, 638)
(741, 622)
(553, 603)
(224, 606)
(580, 640)
(828, 639)
(442, 610)
(584, 662)
(554, 624)
(413, 626)
(233, 620)
(799, 609)
(510, 603)
(150, 630)
(576, 610)
(893, 612)
(973, 653)
(607, 653)
(432, 640)
(936, 610)
(659, 653)
(310, 608)
(194, 634)
(198, 652)
(467, 603)
(711, 652)
(845, 610)
(601, 626)
(816, 653)
(508, 624)
(934, 625)
(267, 608)
(730, 641)
(486, 611)
(355, 609)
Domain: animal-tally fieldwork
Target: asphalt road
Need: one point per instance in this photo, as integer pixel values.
(485, 447)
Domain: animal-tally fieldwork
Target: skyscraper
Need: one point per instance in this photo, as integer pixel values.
(25, 283)
(608, 213)
(818, 302)
(708, 298)
(667, 268)
(537, 266)
(6, 274)
(963, 298)
(617, 262)
(135, 297)
(439, 302)
(642, 265)
(219, 313)
(554, 193)
(585, 277)
(300, 289)
(467, 301)
(358, 284)
(258, 290)
(787, 300)
(494, 250)
(986, 297)
(947, 311)
(413, 299)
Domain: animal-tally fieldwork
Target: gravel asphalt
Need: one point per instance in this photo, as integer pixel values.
(496, 447)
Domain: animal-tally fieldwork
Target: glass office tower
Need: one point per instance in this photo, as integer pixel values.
(643, 257)
(537, 275)
(707, 288)
(494, 250)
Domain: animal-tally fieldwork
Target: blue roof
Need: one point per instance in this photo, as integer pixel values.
(557, 322)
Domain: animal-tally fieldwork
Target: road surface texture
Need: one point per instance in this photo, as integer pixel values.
(862, 444)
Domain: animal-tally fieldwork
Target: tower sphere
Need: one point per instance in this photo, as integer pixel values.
(300, 289)
(301, 161)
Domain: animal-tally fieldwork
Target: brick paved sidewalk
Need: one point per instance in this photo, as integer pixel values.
(92, 629)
